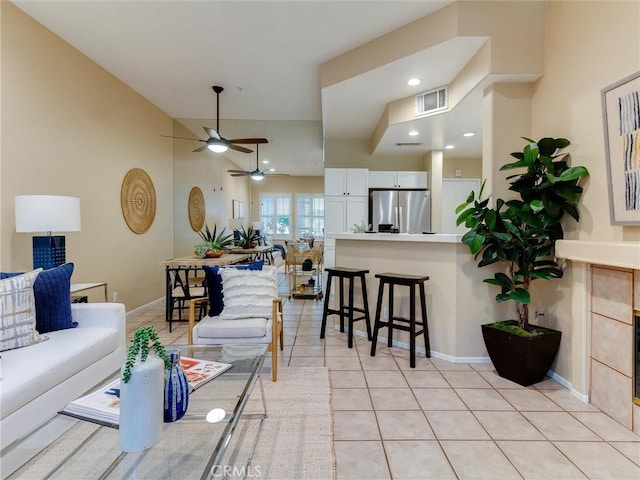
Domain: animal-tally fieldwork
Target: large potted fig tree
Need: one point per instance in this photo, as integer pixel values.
(521, 234)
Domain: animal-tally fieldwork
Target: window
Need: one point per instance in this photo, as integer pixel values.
(275, 213)
(309, 214)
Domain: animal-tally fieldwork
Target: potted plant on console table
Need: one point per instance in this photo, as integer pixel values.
(214, 242)
(522, 233)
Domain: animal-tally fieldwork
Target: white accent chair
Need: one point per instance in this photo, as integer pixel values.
(252, 313)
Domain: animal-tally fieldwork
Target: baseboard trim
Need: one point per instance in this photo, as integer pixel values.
(145, 306)
(441, 356)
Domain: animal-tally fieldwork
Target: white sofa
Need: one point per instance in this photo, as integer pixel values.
(39, 380)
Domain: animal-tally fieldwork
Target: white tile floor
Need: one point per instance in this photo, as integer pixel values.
(442, 420)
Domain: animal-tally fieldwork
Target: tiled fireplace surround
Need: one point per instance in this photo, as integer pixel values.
(614, 295)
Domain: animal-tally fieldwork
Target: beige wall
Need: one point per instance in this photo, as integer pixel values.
(589, 45)
(208, 171)
(355, 153)
(71, 128)
(471, 167)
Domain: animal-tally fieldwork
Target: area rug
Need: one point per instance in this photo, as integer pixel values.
(295, 442)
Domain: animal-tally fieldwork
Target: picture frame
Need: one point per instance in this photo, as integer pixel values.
(237, 209)
(621, 118)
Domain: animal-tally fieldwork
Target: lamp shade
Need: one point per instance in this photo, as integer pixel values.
(47, 213)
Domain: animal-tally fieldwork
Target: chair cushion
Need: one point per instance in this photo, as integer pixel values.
(248, 293)
(215, 327)
(214, 284)
(18, 311)
(52, 298)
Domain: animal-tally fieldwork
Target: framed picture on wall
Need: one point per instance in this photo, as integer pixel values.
(237, 209)
(621, 115)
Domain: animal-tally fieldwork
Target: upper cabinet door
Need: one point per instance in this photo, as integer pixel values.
(357, 181)
(346, 181)
(382, 179)
(412, 179)
(397, 179)
(335, 181)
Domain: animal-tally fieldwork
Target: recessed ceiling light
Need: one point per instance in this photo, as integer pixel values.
(449, 147)
(272, 169)
(414, 133)
(266, 162)
(412, 82)
(468, 134)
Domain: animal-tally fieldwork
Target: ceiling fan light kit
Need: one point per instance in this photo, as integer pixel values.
(216, 143)
(217, 147)
(256, 174)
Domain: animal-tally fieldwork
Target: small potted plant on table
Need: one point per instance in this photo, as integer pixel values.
(214, 242)
(521, 233)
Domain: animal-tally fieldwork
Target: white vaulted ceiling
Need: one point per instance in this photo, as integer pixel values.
(267, 55)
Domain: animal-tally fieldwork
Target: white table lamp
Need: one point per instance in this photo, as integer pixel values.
(47, 213)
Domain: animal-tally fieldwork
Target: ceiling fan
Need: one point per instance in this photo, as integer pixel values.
(256, 174)
(215, 142)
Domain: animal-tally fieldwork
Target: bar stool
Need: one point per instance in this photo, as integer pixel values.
(411, 281)
(346, 310)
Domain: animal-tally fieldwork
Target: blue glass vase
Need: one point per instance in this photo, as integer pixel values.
(176, 388)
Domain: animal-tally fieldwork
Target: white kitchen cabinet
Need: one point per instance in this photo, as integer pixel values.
(346, 181)
(341, 213)
(390, 179)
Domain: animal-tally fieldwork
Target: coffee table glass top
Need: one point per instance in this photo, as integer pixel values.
(191, 447)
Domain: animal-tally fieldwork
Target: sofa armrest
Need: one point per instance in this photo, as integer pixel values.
(105, 315)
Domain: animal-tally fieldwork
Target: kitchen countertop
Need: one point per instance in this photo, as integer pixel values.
(398, 237)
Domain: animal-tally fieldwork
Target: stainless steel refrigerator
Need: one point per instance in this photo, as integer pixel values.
(408, 210)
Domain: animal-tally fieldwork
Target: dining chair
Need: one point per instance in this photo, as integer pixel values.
(183, 285)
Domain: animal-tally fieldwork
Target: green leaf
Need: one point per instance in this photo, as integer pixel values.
(536, 206)
(464, 215)
(477, 243)
(502, 297)
(520, 295)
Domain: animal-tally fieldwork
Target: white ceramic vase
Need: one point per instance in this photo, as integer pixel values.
(141, 405)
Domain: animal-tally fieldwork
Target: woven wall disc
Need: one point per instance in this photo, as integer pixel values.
(197, 209)
(138, 200)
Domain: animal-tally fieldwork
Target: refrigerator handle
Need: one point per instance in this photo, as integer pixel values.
(398, 219)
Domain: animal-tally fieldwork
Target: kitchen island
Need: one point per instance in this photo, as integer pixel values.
(458, 302)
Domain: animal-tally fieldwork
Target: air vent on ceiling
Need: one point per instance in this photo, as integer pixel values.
(432, 101)
(408, 144)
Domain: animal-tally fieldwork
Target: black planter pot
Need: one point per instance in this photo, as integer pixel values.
(520, 359)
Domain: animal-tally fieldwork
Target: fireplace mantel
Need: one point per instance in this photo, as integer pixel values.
(615, 254)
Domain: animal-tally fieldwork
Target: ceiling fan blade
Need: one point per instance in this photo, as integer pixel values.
(236, 171)
(244, 174)
(249, 140)
(239, 148)
(211, 132)
(201, 149)
(276, 174)
(183, 138)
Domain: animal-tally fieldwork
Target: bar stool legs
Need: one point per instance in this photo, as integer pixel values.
(346, 311)
(411, 281)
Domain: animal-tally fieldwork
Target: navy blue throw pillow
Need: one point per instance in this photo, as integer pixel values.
(52, 295)
(214, 284)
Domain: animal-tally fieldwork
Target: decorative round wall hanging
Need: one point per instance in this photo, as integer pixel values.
(138, 200)
(197, 209)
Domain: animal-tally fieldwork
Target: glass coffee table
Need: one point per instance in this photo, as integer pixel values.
(189, 448)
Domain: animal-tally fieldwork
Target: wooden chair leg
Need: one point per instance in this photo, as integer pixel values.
(274, 360)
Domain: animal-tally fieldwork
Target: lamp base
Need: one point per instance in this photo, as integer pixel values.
(49, 251)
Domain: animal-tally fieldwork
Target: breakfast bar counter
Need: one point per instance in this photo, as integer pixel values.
(458, 302)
